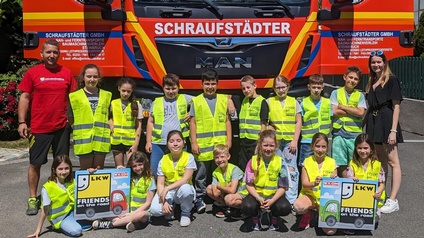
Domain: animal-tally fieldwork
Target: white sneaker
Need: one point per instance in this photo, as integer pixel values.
(390, 206)
(130, 227)
(185, 221)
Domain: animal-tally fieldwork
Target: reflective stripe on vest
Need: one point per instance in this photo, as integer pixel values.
(372, 173)
(266, 179)
(173, 174)
(315, 121)
(349, 123)
(123, 124)
(217, 173)
(62, 202)
(284, 119)
(250, 118)
(139, 192)
(90, 132)
(210, 130)
(159, 114)
(311, 166)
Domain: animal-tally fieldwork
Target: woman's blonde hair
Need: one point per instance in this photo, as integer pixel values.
(385, 75)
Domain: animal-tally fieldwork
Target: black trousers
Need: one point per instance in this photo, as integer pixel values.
(250, 206)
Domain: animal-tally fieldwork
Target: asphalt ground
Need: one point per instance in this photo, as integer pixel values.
(405, 223)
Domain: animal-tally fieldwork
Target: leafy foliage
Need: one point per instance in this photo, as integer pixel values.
(11, 31)
(419, 38)
(9, 102)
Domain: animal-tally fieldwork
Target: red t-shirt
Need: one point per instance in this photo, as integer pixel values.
(49, 90)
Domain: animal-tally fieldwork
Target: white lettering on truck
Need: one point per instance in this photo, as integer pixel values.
(218, 28)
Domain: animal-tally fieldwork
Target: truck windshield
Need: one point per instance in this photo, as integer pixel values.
(224, 2)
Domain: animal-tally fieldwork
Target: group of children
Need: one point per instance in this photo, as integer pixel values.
(270, 130)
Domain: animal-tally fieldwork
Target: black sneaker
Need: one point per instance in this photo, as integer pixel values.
(33, 205)
(200, 206)
(102, 224)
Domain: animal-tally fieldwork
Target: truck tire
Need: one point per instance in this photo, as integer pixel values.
(90, 212)
(117, 210)
(331, 221)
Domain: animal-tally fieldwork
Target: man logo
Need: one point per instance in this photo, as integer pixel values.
(223, 41)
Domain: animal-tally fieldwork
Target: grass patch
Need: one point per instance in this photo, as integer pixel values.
(16, 144)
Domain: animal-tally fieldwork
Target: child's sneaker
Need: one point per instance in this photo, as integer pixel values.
(102, 224)
(219, 209)
(130, 227)
(274, 223)
(306, 219)
(185, 221)
(200, 206)
(257, 226)
(390, 206)
(169, 217)
(33, 205)
(349, 232)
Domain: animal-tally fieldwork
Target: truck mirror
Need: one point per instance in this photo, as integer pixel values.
(114, 15)
(326, 14)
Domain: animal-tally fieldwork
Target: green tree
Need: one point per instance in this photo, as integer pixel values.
(11, 30)
(419, 38)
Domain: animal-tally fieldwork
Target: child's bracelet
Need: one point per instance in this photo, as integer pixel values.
(395, 131)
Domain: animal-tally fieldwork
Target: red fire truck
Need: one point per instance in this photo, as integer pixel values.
(145, 39)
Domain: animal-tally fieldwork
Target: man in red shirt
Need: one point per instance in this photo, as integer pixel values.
(45, 89)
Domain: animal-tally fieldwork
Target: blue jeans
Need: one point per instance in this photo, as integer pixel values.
(183, 195)
(158, 151)
(290, 160)
(70, 227)
(305, 152)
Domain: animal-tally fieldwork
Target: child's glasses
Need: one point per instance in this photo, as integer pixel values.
(378, 53)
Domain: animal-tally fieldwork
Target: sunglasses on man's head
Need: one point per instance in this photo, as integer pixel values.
(378, 53)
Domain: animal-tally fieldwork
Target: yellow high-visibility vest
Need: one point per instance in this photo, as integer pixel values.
(90, 132)
(62, 202)
(266, 183)
(173, 174)
(250, 118)
(311, 166)
(315, 121)
(139, 192)
(349, 123)
(159, 114)
(124, 125)
(284, 119)
(217, 173)
(210, 130)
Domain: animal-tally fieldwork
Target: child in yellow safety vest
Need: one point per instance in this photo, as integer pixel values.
(167, 113)
(226, 181)
(174, 186)
(267, 180)
(88, 115)
(143, 187)
(286, 119)
(316, 116)
(348, 108)
(125, 122)
(210, 125)
(315, 167)
(365, 165)
(58, 199)
(253, 118)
